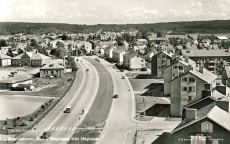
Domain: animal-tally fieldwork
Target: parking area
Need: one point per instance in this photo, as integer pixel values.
(17, 105)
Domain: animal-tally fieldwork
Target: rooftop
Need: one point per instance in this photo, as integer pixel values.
(3, 56)
(15, 79)
(52, 65)
(206, 53)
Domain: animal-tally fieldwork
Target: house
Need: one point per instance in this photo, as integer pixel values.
(109, 52)
(53, 68)
(226, 76)
(88, 47)
(211, 59)
(205, 125)
(188, 80)
(140, 48)
(142, 42)
(151, 53)
(159, 62)
(5, 60)
(30, 59)
(133, 60)
(118, 55)
(9, 82)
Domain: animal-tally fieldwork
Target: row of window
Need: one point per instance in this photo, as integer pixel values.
(190, 89)
(190, 79)
(52, 72)
(178, 67)
(212, 59)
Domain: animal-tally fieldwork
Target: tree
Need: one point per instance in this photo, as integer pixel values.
(33, 43)
(3, 43)
(10, 52)
(28, 48)
(20, 51)
(60, 44)
(160, 34)
(60, 52)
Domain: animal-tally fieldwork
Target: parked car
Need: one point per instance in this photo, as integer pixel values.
(121, 70)
(68, 109)
(115, 96)
(45, 135)
(123, 77)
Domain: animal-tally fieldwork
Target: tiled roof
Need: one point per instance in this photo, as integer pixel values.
(119, 50)
(214, 113)
(15, 79)
(3, 56)
(52, 65)
(18, 57)
(33, 55)
(206, 53)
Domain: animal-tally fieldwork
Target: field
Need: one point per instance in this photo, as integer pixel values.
(47, 87)
(18, 102)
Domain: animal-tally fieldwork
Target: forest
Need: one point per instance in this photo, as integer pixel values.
(185, 27)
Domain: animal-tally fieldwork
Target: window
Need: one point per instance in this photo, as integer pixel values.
(142, 65)
(180, 68)
(175, 67)
(184, 79)
(191, 80)
(142, 60)
(184, 88)
(189, 98)
(198, 139)
(206, 127)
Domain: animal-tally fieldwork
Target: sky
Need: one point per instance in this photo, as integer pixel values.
(112, 11)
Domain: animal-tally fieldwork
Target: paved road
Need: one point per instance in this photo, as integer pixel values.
(62, 125)
(121, 121)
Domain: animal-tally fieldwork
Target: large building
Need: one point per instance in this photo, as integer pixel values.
(54, 68)
(159, 62)
(30, 59)
(133, 60)
(184, 82)
(212, 59)
(5, 60)
(118, 55)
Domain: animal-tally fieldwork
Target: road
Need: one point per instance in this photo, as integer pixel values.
(121, 119)
(64, 124)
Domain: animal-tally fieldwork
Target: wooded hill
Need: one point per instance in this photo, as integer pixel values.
(202, 27)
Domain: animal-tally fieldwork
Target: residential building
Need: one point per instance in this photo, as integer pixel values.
(226, 76)
(159, 62)
(30, 59)
(88, 47)
(53, 68)
(5, 60)
(188, 81)
(118, 55)
(9, 82)
(140, 48)
(151, 53)
(212, 59)
(133, 60)
(142, 42)
(109, 52)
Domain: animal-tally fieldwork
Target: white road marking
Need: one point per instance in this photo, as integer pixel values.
(53, 128)
(48, 128)
(65, 128)
(69, 128)
(57, 128)
(61, 128)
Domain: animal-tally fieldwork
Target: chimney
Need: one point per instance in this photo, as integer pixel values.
(190, 67)
(222, 89)
(201, 68)
(168, 62)
(223, 105)
(173, 57)
(190, 114)
(186, 59)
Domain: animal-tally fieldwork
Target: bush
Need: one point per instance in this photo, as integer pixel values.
(43, 107)
(23, 123)
(14, 120)
(36, 115)
(14, 124)
(31, 119)
(46, 104)
(144, 69)
(5, 122)
(18, 118)
(88, 54)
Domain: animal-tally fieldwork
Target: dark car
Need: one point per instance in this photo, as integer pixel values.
(45, 135)
(68, 109)
(115, 96)
(123, 77)
(121, 70)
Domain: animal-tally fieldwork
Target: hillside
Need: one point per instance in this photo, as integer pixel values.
(214, 26)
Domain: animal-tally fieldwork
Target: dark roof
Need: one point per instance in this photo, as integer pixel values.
(33, 55)
(52, 65)
(132, 54)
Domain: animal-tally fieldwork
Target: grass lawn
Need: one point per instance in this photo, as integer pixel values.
(145, 85)
(56, 88)
(24, 122)
(80, 137)
(152, 106)
(101, 106)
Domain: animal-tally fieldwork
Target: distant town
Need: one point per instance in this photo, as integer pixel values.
(126, 86)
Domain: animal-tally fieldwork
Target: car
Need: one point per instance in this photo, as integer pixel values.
(123, 77)
(45, 135)
(68, 109)
(121, 70)
(115, 96)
